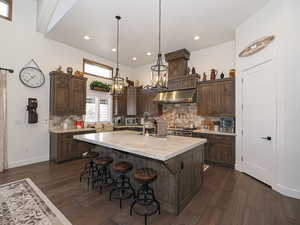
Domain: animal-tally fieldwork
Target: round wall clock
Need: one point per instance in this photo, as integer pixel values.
(32, 77)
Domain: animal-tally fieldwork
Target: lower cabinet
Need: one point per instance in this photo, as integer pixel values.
(64, 148)
(220, 149)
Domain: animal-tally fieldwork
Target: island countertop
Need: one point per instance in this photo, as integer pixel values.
(161, 149)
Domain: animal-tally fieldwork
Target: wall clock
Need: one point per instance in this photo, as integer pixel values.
(32, 76)
(256, 46)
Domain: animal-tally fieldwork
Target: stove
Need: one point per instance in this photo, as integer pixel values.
(186, 132)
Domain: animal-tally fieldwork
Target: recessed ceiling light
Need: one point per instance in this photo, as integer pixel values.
(114, 50)
(196, 38)
(149, 53)
(86, 37)
(134, 58)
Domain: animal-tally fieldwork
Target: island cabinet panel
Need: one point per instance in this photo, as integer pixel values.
(63, 147)
(179, 178)
(216, 98)
(67, 94)
(219, 149)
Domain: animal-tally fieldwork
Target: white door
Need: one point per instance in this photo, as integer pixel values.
(259, 122)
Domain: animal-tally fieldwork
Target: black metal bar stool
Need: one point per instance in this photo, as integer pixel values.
(103, 177)
(89, 168)
(122, 188)
(145, 203)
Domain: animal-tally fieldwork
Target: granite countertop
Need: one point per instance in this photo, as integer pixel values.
(161, 149)
(204, 131)
(60, 130)
(128, 126)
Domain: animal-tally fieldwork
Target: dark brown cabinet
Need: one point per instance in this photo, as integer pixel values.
(145, 103)
(63, 147)
(216, 98)
(220, 149)
(78, 96)
(135, 102)
(67, 94)
(120, 105)
(131, 101)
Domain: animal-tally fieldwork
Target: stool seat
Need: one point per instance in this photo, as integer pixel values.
(103, 161)
(90, 155)
(145, 175)
(122, 166)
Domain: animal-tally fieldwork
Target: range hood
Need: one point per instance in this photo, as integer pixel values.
(178, 96)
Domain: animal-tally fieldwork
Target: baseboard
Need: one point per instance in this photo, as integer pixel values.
(293, 193)
(28, 161)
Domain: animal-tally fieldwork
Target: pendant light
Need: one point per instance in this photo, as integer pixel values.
(117, 81)
(159, 70)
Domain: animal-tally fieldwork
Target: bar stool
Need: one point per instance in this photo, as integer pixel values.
(121, 183)
(103, 177)
(89, 169)
(145, 203)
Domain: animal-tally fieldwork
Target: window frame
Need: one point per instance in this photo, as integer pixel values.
(10, 5)
(88, 61)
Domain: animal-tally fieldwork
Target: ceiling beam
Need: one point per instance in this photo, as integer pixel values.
(49, 13)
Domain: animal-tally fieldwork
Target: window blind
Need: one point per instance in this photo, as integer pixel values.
(97, 109)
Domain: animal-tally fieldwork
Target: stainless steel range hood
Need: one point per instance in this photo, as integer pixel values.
(179, 96)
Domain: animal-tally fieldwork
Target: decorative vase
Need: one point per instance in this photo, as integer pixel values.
(222, 75)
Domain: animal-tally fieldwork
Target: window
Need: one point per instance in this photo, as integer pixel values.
(97, 69)
(97, 109)
(6, 9)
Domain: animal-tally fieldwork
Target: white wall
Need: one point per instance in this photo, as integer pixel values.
(20, 43)
(279, 18)
(220, 57)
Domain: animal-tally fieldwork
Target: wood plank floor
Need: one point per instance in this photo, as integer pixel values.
(228, 197)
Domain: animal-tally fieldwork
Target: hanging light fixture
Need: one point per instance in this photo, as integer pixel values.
(117, 81)
(159, 70)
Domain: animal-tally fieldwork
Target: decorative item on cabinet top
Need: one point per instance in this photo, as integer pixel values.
(257, 46)
(31, 75)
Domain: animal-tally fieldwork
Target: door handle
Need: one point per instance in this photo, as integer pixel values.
(267, 138)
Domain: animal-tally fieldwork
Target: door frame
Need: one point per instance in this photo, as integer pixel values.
(239, 162)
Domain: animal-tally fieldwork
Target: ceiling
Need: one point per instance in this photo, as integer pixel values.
(214, 21)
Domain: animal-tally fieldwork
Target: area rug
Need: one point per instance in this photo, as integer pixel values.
(22, 202)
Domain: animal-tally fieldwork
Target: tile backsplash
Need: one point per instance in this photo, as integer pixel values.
(56, 122)
(181, 115)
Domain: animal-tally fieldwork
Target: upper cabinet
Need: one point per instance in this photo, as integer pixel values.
(216, 98)
(67, 94)
(135, 102)
(131, 101)
(145, 103)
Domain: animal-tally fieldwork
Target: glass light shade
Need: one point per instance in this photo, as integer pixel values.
(117, 87)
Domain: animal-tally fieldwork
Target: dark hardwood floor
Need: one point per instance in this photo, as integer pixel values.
(227, 198)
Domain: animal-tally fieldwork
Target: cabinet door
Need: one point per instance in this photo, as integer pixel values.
(60, 95)
(228, 93)
(120, 105)
(216, 98)
(204, 99)
(131, 101)
(65, 149)
(78, 96)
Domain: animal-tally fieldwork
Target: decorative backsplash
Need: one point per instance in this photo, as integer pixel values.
(56, 122)
(181, 115)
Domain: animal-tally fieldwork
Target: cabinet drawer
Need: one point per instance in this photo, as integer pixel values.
(229, 140)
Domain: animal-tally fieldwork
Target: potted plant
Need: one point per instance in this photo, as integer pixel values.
(100, 86)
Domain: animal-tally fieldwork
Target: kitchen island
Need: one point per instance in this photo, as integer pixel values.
(178, 160)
